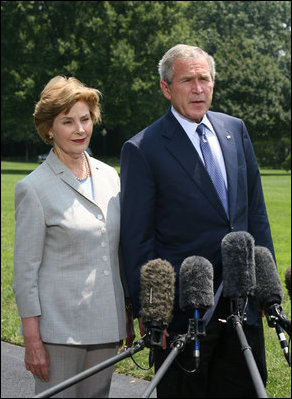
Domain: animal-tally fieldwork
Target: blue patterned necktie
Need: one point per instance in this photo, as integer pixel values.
(212, 167)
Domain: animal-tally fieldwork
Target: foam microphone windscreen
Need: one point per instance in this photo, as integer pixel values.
(157, 292)
(238, 264)
(196, 284)
(288, 280)
(268, 284)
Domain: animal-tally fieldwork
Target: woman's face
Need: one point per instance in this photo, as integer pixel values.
(72, 131)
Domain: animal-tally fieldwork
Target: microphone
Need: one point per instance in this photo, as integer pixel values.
(196, 284)
(238, 268)
(269, 293)
(157, 298)
(288, 280)
(239, 281)
(196, 292)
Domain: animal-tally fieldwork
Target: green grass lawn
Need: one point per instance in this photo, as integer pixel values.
(277, 191)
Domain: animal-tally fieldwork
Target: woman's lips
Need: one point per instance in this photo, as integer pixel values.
(79, 141)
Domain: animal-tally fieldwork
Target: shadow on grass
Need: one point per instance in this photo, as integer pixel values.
(16, 171)
(275, 174)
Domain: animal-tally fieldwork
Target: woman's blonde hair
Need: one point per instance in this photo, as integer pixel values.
(59, 95)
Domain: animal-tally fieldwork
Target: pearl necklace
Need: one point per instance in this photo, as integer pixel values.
(86, 168)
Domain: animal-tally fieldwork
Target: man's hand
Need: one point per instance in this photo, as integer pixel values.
(129, 327)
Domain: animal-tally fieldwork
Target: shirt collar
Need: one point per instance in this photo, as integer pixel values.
(191, 126)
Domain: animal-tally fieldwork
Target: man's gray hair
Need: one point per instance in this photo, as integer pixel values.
(165, 65)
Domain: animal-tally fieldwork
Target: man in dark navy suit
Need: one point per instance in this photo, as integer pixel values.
(172, 210)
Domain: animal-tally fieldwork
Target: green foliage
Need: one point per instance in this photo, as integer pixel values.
(116, 46)
(277, 191)
(274, 153)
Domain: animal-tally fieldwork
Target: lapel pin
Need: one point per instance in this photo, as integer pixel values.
(228, 137)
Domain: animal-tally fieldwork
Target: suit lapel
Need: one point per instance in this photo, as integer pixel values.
(99, 186)
(179, 145)
(66, 175)
(181, 148)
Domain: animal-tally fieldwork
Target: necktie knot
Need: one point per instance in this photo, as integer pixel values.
(200, 129)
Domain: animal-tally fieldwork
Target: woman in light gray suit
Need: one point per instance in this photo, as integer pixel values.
(67, 279)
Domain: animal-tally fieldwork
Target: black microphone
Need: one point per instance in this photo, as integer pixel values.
(288, 280)
(196, 292)
(157, 298)
(269, 293)
(239, 280)
(238, 268)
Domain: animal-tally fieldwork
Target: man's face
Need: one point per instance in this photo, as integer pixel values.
(191, 90)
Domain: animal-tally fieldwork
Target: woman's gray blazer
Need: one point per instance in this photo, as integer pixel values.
(66, 264)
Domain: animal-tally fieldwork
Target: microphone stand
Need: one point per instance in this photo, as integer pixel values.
(178, 347)
(236, 320)
(153, 338)
(196, 327)
(283, 343)
(138, 346)
(276, 317)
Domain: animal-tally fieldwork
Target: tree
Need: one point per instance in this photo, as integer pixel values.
(115, 46)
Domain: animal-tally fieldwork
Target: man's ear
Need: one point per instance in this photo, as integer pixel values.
(165, 89)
